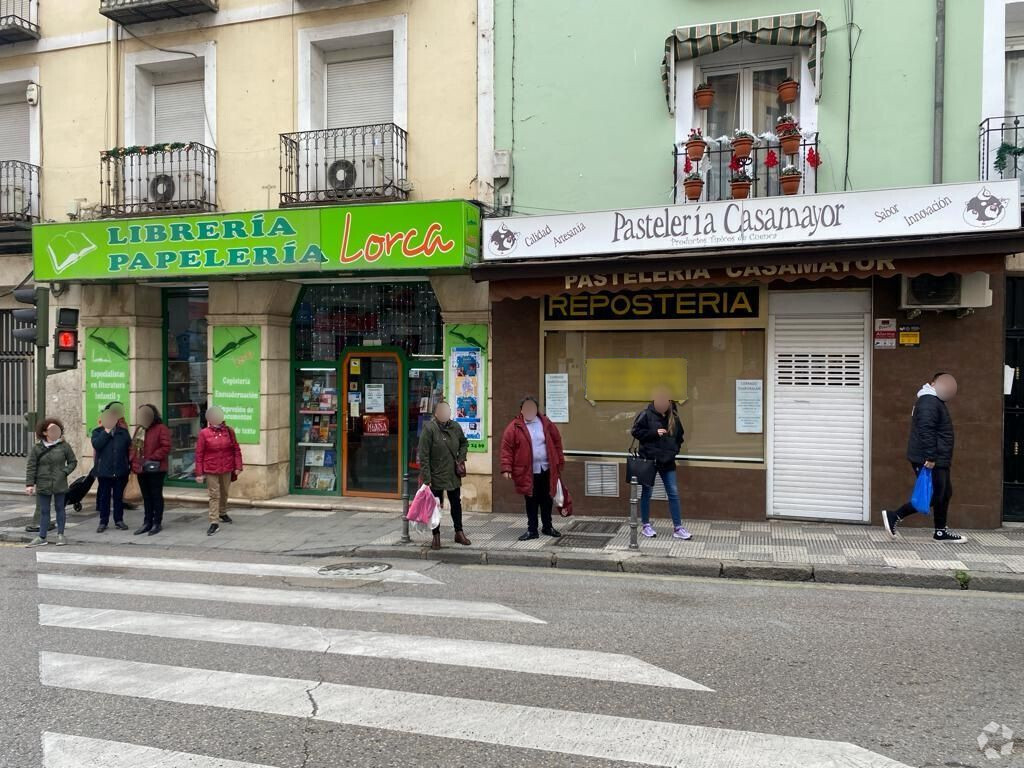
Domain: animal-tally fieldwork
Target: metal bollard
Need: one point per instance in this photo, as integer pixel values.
(406, 482)
(634, 503)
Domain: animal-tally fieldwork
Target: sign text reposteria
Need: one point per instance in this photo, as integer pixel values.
(396, 236)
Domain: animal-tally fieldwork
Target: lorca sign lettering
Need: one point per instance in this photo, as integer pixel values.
(911, 212)
(395, 236)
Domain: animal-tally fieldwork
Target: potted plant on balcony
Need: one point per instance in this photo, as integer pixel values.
(695, 145)
(693, 184)
(742, 143)
(739, 180)
(788, 90)
(703, 95)
(789, 179)
(788, 131)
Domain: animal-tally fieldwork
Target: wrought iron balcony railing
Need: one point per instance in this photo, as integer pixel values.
(18, 21)
(137, 11)
(364, 163)
(165, 178)
(19, 193)
(1001, 148)
(763, 166)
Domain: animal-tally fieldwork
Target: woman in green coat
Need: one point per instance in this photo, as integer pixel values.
(442, 453)
(50, 462)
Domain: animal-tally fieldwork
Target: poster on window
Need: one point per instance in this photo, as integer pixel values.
(465, 352)
(749, 410)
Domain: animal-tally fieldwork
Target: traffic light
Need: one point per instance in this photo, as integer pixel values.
(65, 340)
(37, 318)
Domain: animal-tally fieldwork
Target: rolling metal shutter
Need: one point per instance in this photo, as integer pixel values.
(360, 92)
(178, 113)
(819, 411)
(14, 138)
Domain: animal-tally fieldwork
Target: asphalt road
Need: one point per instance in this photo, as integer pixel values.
(908, 676)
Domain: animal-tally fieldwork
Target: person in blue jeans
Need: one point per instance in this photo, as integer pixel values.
(50, 462)
(111, 445)
(659, 432)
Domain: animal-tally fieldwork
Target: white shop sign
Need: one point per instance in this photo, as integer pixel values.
(939, 209)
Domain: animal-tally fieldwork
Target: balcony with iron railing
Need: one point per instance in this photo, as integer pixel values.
(359, 164)
(160, 179)
(770, 170)
(138, 11)
(19, 21)
(1001, 148)
(19, 195)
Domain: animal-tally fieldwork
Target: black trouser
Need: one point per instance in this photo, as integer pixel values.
(152, 486)
(455, 502)
(111, 491)
(942, 492)
(539, 501)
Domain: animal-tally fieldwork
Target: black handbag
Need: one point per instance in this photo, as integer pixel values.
(150, 466)
(644, 470)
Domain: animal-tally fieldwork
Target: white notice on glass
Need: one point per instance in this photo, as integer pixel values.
(749, 406)
(374, 398)
(556, 397)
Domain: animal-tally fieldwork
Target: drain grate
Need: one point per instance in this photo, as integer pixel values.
(352, 569)
(583, 542)
(595, 526)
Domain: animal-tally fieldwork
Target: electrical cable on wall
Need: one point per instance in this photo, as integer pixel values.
(851, 47)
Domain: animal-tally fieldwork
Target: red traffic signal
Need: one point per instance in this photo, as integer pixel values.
(65, 338)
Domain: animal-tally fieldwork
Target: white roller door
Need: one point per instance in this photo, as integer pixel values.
(14, 129)
(819, 405)
(178, 113)
(360, 93)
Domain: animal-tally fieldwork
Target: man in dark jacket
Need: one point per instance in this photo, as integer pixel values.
(931, 446)
(111, 445)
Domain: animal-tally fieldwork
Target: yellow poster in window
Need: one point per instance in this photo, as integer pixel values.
(631, 379)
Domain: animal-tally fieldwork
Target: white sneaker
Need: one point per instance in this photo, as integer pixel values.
(36, 542)
(61, 541)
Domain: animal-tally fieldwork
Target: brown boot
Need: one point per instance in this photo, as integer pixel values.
(435, 543)
(460, 538)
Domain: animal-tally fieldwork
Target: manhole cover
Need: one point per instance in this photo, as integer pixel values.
(583, 542)
(594, 526)
(353, 569)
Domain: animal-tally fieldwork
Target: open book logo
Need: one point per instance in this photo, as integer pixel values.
(68, 249)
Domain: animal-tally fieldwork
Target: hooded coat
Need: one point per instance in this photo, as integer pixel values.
(931, 430)
(49, 466)
(662, 449)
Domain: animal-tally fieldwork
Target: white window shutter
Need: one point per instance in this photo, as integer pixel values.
(178, 114)
(360, 92)
(14, 133)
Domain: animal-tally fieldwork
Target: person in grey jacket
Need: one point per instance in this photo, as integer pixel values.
(50, 462)
(931, 446)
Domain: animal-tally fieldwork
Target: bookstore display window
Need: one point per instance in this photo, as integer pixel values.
(186, 378)
(316, 417)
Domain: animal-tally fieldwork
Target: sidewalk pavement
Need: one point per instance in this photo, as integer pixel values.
(797, 551)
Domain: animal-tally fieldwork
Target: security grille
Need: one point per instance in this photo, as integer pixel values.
(601, 479)
(15, 387)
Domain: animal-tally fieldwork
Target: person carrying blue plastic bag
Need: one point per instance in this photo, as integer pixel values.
(930, 451)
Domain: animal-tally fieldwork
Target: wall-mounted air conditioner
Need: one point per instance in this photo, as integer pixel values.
(950, 291)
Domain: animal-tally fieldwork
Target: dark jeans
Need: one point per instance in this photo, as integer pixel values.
(111, 490)
(942, 492)
(540, 501)
(152, 486)
(455, 502)
(668, 478)
(44, 513)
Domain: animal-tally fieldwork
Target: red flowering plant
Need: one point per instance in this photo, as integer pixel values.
(689, 174)
(771, 159)
(738, 171)
(787, 126)
(813, 158)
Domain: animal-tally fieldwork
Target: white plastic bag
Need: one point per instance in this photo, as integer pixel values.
(559, 498)
(435, 518)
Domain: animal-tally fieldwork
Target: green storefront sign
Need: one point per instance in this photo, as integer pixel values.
(107, 371)
(236, 379)
(396, 236)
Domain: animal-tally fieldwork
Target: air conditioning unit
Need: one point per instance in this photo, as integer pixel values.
(180, 189)
(358, 177)
(950, 291)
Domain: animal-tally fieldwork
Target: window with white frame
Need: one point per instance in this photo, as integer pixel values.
(15, 141)
(1015, 82)
(170, 96)
(745, 82)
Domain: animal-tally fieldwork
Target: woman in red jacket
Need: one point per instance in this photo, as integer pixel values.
(151, 445)
(531, 457)
(218, 462)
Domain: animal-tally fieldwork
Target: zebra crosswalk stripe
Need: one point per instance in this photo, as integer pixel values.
(222, 567)
(413, 606)
(512, 725)
(509, 657)
(61, 750)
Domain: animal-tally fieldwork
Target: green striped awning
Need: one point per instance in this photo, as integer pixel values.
(804, 29)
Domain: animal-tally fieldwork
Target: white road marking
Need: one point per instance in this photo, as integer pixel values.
(550, 730)
(63, 751)
(509, 657)
(412, 606)
(217, 566)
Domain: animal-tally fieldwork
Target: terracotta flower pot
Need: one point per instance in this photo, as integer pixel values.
(741, 147)
(790, 144)
(790, 183)
(695, 149)
(703, 97)
(693, 188)
(740, 190)
(788, 91)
